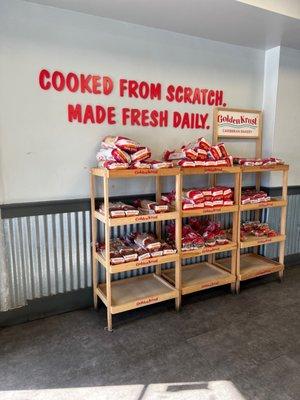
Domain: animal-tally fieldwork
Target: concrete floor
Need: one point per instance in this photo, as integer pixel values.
(218, 347)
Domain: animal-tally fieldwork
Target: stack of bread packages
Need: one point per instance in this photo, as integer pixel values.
(119, 152)
(200, 154)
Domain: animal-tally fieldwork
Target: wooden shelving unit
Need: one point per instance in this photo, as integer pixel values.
(126, 294)
(130, 293)
(252, 265)
(204, 275)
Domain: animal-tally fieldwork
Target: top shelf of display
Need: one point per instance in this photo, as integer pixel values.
(263, 168)
(133, 173)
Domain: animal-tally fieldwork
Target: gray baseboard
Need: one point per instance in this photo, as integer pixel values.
(47, 306)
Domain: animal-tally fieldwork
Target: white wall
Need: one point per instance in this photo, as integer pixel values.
(271, 73)
(43, 156)
(287, 128)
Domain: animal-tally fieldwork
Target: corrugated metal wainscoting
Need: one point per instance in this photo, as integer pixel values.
(51, 254)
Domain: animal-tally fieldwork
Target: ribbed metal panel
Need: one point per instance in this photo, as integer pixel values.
(51, 254)
(47, 255)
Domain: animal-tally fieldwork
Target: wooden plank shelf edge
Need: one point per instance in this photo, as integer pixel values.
(209, 211)
(140, 291)
(253, 242)
(267, 204)
(209, 250)
(137, 219)
(114, 269)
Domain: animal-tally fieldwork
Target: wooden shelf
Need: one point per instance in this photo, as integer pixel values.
(205, 250)
(140, 291)
(253, 265)
(137, 264)
(200, 277)
(209, 211)
(137, 219)
(263, 168)
(210, 170)
(267, 204)
(252, 241)
(134, 173)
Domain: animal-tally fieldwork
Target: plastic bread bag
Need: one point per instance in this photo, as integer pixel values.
(185, 163)
(141, 164)
(167, 248)
(113, 155)
(223, 149)
(148, 241)
(190, 154)
(115, 210)
(201, 155)
(214, 153)
(171, 155)
(148, 205)
(142, 253)
(194, 194)
(126, 144)
(113, 165)
(161, 164)
(203, 144)
(143, 153)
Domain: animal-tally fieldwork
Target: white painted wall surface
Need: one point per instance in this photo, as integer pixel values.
(271, 73)
(287, 128)
(43, 156)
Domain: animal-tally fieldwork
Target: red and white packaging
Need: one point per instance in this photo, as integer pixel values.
(142, 154)
(147, 241)
(214, 153)
(211, 163)
(127, 144)
(218, 203)
(208, 203)
(203, 144)
(185, 163)
(105, 154)
(113, 165)
(142, 253)
(207, 191)
(217, 191)
(167, 249)
(149, 205)
(199, 205)
(227, 191)
(187, 204)
(245, 199)
(161, 164)
(156, 253)
(202, 154)
(229, 161)
(190, 154)
(199, 163)
(223, 150)
(194, 194)
(222, 163)
(227, 202)
(141, 164)
(170, 155)
(113, 155)
(108, 142)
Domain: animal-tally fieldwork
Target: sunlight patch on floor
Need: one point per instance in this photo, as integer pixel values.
(211, 390)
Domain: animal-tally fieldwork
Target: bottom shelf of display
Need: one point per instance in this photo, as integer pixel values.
(130, 293)
(200, 276)
(253, 265)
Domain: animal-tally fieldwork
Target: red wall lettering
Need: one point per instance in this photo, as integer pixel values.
(100, 85)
